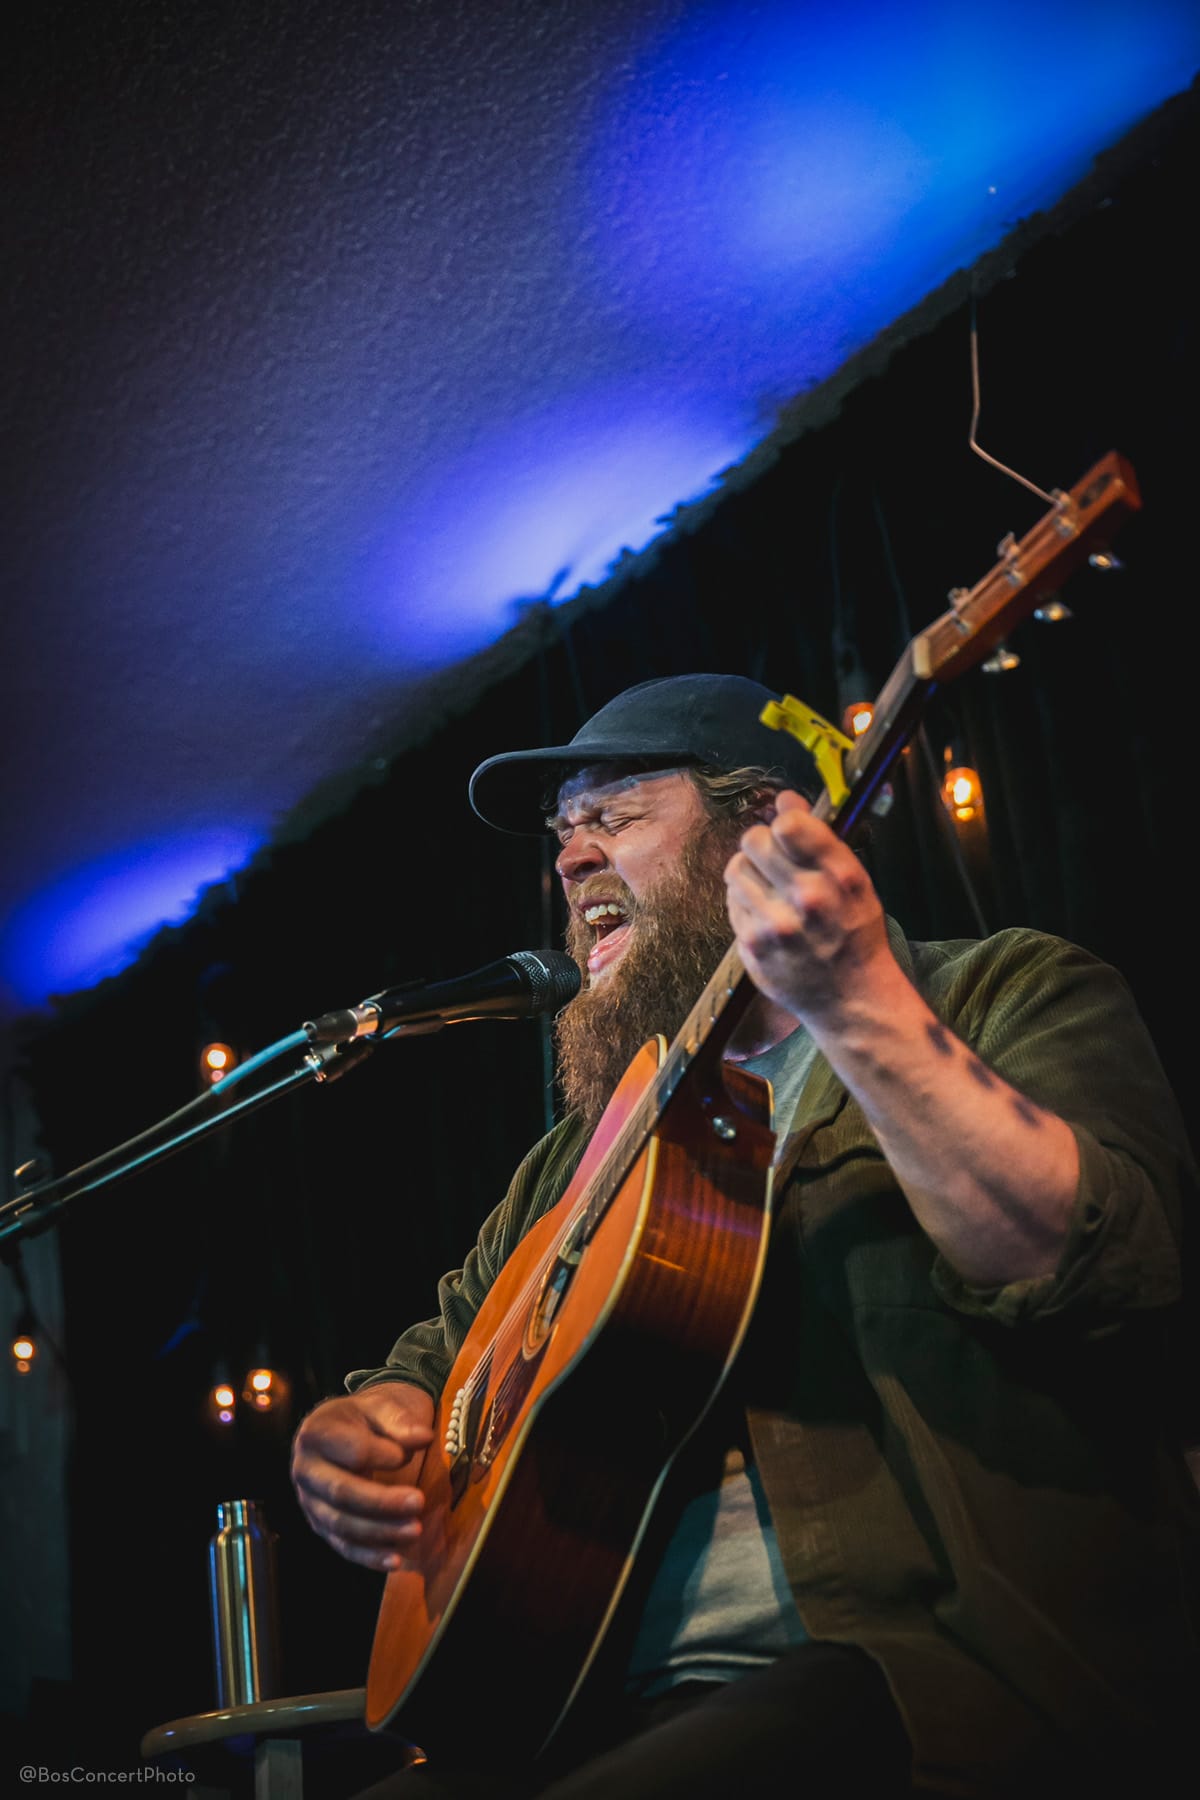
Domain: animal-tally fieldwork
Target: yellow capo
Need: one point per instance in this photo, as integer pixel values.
(826, 743)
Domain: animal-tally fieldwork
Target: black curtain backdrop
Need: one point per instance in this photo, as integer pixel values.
(318, 1228)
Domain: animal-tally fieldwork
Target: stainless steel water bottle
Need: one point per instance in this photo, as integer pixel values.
(245, 1617)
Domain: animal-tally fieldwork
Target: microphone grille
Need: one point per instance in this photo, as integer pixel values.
(553, 977)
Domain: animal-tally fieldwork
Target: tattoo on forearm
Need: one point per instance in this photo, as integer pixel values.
(945, 1042)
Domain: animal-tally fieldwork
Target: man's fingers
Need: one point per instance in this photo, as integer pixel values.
(368, 1556)
(374, 1533)
(399, 1425)
(394, 1410)
(357, 1496)
(359, 1440)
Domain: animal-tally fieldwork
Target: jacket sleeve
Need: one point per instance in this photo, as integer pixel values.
(425, 1353)
(1062, 1028)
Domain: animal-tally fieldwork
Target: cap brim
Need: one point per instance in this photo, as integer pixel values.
(511, 791)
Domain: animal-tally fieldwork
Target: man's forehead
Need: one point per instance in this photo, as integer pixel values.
(588, 788)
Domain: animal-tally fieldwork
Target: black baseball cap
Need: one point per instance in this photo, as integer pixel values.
(672, 722)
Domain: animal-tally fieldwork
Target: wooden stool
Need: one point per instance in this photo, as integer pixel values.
(274, 1727)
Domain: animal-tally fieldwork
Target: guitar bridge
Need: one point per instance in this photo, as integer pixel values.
(462, 1427)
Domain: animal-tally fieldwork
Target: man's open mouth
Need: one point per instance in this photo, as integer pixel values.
(610, 925)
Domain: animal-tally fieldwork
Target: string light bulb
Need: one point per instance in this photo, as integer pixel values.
(265, 1388)
(853, 688)
(216, 1061)
(222, 1400)
(962, 790)
(24, 1346)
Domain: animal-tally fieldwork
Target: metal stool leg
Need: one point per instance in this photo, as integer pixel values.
(277, 1769)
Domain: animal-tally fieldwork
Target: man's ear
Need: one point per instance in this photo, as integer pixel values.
(760, 808)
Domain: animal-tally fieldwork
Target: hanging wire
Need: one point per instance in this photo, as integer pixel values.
(975, 396)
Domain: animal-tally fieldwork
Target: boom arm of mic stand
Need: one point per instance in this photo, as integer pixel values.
(34, 1210)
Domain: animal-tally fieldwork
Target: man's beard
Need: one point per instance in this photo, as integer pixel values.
(678, 934)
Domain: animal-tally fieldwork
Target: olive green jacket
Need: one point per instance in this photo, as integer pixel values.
(979, 1488)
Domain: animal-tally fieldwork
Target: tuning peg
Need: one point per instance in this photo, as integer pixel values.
(1053, 611)
(1001, 661)
(1105, 561)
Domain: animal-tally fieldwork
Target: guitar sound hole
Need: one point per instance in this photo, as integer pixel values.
(554, 1288)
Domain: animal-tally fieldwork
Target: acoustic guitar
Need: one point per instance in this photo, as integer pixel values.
(611, 1328)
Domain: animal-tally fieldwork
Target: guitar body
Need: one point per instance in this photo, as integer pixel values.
(587, 1367)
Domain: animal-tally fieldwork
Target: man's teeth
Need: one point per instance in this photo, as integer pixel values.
(606, 910)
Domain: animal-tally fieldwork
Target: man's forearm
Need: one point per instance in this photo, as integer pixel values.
(990, 1176)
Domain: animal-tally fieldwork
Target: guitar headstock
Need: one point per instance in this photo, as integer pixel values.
(1078, 524)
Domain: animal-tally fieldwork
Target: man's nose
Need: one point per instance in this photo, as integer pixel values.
(580, 856)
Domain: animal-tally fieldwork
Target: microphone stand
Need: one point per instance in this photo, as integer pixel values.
(33, 1209)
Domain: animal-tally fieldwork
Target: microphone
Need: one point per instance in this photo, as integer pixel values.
(517, 987)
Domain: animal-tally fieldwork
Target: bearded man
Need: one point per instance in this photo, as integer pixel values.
(936, 1536)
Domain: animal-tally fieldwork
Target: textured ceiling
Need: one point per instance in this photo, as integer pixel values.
(338, 333)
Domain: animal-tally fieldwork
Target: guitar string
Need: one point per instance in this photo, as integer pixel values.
(614, 1167)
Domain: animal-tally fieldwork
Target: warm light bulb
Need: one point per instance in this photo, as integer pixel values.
(265, 1388)
(962, 792)
(216, 1060)
(221, 1403)
(24, 1350)
(856, 719)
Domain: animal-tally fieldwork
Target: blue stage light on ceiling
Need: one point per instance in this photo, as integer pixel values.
(94, 922)
(543, 507)
(771, 189)
(777, 184)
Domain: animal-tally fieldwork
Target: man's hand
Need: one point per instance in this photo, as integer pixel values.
(809, 924)
(355, 1462)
